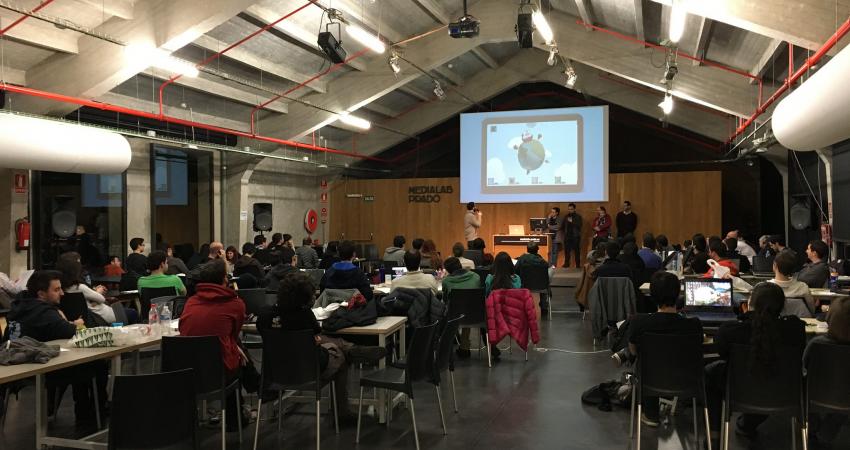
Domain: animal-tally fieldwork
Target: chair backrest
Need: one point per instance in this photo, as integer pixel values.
(167, 399)
(420, 353)
(445, 346)
(761, 390)
(315, 276)
(795, 306)
(535, 278)
(255, 300)
(762, 264)
(73, 305)
(290, 359)
(148, 294)
(482, 274)
(120, 313)
(201, 353)
(388, 265)
(827, 372)
(468, 303)
(670, 365)
(477, 256)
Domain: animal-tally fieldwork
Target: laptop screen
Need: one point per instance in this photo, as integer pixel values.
(708, 292)
(399, 271)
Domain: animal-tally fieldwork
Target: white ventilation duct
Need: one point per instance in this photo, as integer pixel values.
(39, 144)
(816, 114)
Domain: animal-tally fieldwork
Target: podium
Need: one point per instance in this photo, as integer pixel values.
(517, 245)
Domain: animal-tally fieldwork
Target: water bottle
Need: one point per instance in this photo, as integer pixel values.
(153, 321)
(833, 278)
(165, 320)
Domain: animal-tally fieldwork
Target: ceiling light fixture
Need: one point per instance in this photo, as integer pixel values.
(394, 63)
(666, 105)
(149, 56)
(542, 26)
(366, 38)
(553, 53)
(572, 77)
(678, 15)
(438, 90)
(354, 121)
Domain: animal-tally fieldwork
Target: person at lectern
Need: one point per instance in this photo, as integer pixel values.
(572, 235)
(555, 223)
(471, 223)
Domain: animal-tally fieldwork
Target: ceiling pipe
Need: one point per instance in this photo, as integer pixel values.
(827, 46)
(174, 120)
(25, 17)
(215, 56)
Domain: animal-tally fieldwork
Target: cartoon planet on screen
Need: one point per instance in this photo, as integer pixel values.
(531, 153)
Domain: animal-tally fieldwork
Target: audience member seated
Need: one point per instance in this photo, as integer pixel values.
(742, 247)
(486, 258)
(247, 264)
(216, 310)
(36, 314)
(345, 275)
(777, 244)
(783, 270)
(113, 269)
(198, 258)
(662, 245)
(307, 257)
(731, 245)
(292, 313)
(279, 271)
(630, 258)
(395, 253)
(231, 255)
(417, 244)
(612, 267)
(158, 265)
(261, 252)
(816, 273)
(650, 259)
(175, 264)
(698, 262)
(764, 246)
(276, 243)
(136, 261)
(823, 428)
(459, 277)
(530, 259)
(72, 282)
(331, 255)
(430, 256)
(457, 252)
(415, 278)
(717, 252)
(664, 288)
(765, 331)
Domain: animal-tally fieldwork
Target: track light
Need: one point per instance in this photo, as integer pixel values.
(666, 105)
(438, 90)
(366, 38)
(354, 121)
(553, 53)
(394, 63)
(542, 26)
(677, 21)
(150, 56)
(669, 73)
(572, 77)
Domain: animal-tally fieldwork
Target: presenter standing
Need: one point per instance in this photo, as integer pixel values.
(601, 225)
(572, 235)
(471, 223)
(555, 224)
(626, 220)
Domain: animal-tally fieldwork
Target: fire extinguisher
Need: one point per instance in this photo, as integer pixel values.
(22, 234)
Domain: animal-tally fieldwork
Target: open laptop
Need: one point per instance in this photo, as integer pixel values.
(763, 266)
(709, 299)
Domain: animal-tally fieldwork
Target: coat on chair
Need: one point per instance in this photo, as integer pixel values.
(511, 312)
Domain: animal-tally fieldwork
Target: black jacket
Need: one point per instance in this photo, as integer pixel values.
(276, 274)
(328, 260)
(792, 332)
(357, 317)
(39, 320)
(420, 306)
(246, 264)
(345, 275)
(612, 267)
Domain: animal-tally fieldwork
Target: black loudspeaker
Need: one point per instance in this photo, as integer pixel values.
(262, 216)
(331, 47)
(524, 30)
(63, 216)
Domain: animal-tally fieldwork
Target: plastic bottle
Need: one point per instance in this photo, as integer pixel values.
(153, 321)
(165, 320)
(833, 278)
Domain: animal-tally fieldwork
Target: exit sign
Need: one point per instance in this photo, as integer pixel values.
(368, 198)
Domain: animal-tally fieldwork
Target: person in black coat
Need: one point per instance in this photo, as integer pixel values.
(345, 275)
(612, 266)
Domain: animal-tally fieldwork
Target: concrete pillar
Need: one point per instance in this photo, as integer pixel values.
(235, 202)
(13, 206)
(139, 194)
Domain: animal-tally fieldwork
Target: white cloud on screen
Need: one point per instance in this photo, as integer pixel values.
(514, 142)
(568, 173)
(496, 170)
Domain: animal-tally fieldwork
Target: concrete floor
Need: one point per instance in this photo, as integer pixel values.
(514, 405)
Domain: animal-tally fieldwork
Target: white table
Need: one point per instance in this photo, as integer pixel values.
(71, 357)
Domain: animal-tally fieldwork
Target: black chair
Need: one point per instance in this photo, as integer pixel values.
(444, 360)
(203, 354)
(536, 280)
(469, 303)
(827, 372)
(477, 256)
(74, 306)
(147, 294)
(167, 399)
(388, 265)
(291, 361)
(482, 273)
(419, 363)
(797, 306)
(315, 276)
(255, 300)
(757, 390)
(670, 365)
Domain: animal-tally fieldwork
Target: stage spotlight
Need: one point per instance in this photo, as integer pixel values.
(572, 77)
(666, 105)
(332, 45)
(553, 53)
(394, 63)
(438, 90)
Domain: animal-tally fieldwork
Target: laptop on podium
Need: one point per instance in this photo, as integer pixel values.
(709, 299)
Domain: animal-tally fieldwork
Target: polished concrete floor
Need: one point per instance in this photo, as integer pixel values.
(514, 405)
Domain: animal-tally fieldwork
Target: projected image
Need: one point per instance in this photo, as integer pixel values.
(527, 154)
(708, 293)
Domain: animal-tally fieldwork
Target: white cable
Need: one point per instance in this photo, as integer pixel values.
(573, 352)
(806, 179)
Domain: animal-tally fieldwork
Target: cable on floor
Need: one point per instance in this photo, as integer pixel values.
(573, 352)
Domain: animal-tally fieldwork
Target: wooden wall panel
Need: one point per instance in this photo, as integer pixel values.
(677, 204)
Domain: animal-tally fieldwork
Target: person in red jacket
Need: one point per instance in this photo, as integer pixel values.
(717, 252)
(601, 225)
(216, 310)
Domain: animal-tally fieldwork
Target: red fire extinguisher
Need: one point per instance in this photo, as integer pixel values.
(22, 234)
